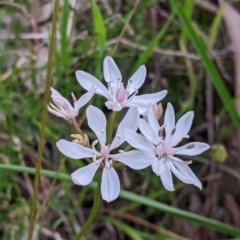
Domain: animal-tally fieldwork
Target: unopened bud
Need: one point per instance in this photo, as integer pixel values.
(157, 110)
(218, 153)
(79, 139)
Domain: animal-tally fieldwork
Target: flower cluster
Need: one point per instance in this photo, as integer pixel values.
(155, 145)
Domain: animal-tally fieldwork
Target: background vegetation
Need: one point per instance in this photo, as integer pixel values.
(191, 48)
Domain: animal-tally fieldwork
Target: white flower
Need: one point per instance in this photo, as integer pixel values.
(136, 159)
(164, 161)
(64, 109)
(118, 97)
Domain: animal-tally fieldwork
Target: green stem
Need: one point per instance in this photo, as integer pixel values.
(93, 214)
(111, 127)
(43, 121)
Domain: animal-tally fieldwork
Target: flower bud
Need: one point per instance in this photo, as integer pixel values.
(218, 153)
(157, 110)
(79, 139)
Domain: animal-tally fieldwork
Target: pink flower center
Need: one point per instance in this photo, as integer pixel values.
(121, 94)
(165, 151)
(105, 152)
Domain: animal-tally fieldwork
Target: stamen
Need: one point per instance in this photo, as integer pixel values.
(102, 130)
(120, 78)
(190, 146)
(173, 131)
(187, 136)
(73, 97)
(121, 151)
(188, 162)
(130, 81)
(119, 136)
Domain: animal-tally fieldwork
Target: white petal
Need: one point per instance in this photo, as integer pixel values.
(138, 141)
(192, 149)
(110, 186)
(110, 71)
(135, 159)
(166, 178)
(185, 170)
(159, 166)
(169, 121)
(141, 102)
(137, 80)
(175, 171)
(84, 99)
(152, 120)
(182, 128)
(130, 121)
(86, 80)
(148, 133)
(83, 176)
(97, 122)
(74, 150)
(111, 105)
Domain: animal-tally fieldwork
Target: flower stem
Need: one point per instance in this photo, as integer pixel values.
(96, 203)
(111, 126)
(75, 124)
(43, 121)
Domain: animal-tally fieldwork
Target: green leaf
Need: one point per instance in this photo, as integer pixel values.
(207, 63)
(129, 231)
(99, 27)
(194, 218)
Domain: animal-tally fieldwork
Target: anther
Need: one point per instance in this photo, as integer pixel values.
(187, 136)
(121, 151)
(160, 133)
(190, 146)
(173, 131)
(102, 130)
(119, 136)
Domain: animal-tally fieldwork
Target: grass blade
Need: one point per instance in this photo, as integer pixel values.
(194, 218)
(207, 63)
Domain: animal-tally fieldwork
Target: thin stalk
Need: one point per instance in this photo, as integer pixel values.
(125, 27)
(75, 124)
(93, 214)
(111, 126)
(43, 120)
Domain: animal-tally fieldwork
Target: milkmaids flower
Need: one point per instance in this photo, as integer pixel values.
(117, 96)
(64, 109)
(154, 141)
(136, 159)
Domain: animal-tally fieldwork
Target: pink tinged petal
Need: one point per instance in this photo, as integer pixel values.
(74, 150)
(56, 113)
(83, 176)
(166, 177)
(138, 141)
(169, 121)
(141, 102)
(137, 80)
(175, 171)
(97, 122)
(148, 133)
(121, 94)
(86, 80)
(191, 149)
(186, 171)
(84, 99)
(110, 71)
(111, 105)
(110, 186)
(130, 121)
(182, 128)
(135, 159)
(152, 120)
